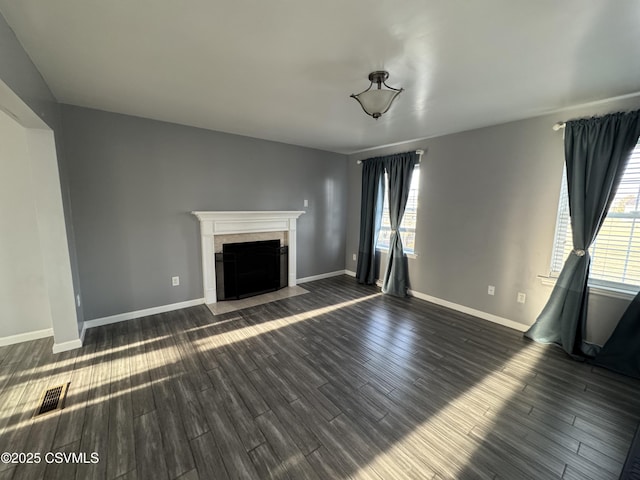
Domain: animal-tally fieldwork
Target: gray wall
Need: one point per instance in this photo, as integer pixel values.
(21, 75)
(487, 211)
(134, 181)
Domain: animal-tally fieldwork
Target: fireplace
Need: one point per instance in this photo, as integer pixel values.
(241, 227)
(245, 269)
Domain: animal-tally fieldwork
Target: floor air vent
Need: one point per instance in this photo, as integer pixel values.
(52, 399)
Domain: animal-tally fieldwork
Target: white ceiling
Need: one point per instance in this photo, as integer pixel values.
(283, 69)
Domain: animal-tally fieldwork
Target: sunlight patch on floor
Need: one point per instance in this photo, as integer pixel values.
(440, 437)
(250, 331)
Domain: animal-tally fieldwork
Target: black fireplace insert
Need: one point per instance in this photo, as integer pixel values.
(251, 268)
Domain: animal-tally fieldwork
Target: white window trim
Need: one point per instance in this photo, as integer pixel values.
(625, 293)
(621, 291)
(385, 251)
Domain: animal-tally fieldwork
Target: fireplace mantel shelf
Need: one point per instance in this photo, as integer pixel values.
(246, 222)
(214, 223)
(249, 214)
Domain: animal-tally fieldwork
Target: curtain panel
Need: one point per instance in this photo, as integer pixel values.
(621, 353)
(399, 169)
(370, 218)
(596, 153)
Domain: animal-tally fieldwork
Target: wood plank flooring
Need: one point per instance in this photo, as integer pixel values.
(338, 383)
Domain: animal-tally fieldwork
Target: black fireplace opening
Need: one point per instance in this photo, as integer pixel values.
(251, 268)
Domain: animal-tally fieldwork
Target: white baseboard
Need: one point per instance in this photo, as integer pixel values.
(97, 322)
(471, 311)
(25, 337)
(65, 346)
(461, 308)
(47, 332)
(321, 276)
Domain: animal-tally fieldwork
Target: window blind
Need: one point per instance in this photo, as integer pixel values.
(615, 254)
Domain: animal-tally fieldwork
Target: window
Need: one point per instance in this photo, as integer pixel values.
(615, 254)
(408, 224)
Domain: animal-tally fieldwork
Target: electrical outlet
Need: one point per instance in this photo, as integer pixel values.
(491, 290)
(175, 281)
(78, 300)
(306, 202)
(354, 257)
(521, 297)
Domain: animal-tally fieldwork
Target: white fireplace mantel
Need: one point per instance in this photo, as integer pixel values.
(224, 223)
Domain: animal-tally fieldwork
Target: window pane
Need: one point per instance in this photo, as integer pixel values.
(563, 242)
(409, 220)
(615, 254)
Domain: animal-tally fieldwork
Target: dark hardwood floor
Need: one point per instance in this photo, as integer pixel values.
(341, 382)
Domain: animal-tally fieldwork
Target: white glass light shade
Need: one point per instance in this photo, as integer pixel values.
(376, 102)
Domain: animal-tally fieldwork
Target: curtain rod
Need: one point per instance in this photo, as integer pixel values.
(558, 126)
(419, 152)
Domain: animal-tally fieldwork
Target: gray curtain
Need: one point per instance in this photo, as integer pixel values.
(370, 218)
(399, 171)
(621, 353)
(596, 153)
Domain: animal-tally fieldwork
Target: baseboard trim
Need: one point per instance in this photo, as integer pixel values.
(505, 322)
(72, 344)
(98, 322)
(25, 337)
(321, 276)
(66, 346)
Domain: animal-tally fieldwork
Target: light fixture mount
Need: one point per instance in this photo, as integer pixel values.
(376, 101)
(378, 77)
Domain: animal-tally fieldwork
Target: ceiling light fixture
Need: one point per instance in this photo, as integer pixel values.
(376, 101)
